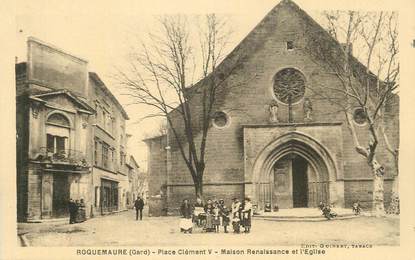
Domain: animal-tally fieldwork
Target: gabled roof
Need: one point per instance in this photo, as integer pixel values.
(74, 98)
(104, 88)
(246, 46)
(133, 162)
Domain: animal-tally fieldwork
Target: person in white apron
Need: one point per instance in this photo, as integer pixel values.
(236, 215)
(186, 210)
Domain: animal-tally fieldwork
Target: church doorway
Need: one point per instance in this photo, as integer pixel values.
(291, 173)
(300, 186)
(290, 182)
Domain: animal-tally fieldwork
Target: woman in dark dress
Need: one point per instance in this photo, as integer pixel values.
(216, 217)
(224, 214)
(246, 215)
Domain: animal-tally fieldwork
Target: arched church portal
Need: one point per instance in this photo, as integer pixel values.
(293, 172)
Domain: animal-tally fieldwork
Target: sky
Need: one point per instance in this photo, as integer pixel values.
(102, 33)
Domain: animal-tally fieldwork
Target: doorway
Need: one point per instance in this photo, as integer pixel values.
(109, 196)
(60, 196)
(300, 182)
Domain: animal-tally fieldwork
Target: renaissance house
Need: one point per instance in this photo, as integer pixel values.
(71, 140)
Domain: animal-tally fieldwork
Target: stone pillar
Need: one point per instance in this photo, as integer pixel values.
(34, 192)
(337, 193)
(47, 195)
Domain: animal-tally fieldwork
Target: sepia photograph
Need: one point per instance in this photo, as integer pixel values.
(254, 128)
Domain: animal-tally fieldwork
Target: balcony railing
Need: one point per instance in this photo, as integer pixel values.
(66, 156)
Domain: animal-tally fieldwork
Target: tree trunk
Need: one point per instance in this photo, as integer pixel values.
(394, 203)
(378, 205)
(199, 188)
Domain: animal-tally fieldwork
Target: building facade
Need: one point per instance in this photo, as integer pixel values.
(290, 153)
(138, 185)
(109, 171)
(70, 134)
(157, 175)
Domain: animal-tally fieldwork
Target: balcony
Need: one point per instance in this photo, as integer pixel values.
(64, 157)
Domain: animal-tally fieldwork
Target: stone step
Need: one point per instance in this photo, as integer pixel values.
(303, 218)
(298, 216)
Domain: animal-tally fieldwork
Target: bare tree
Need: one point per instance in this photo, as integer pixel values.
(368, 87)
(161, 75)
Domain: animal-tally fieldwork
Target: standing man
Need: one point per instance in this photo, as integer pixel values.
(72, 211)
(139, 205)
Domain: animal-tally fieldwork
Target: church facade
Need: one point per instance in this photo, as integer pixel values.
(273, 138)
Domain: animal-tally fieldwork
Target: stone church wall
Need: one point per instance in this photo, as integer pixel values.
(246, 97)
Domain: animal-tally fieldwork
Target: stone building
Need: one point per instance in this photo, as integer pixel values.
(157, 175)
(290, 152)
(109, 171)
(70, 134)
(138, 185)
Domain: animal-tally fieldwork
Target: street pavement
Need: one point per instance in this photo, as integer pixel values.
(122, 229)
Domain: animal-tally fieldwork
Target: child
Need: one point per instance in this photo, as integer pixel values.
(356, 208)
(216, 218)
(236, 215)
(224, 214)
(328, 213)
(321, 205)
(209, 216)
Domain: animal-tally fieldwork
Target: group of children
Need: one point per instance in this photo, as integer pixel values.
(329, 213)
(214, 213)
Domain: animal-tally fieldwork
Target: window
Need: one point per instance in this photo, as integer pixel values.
(57, 134)
(220, 119)
(108, 123)
(105, 148)
(359, 116)
(289, 86)
(113, 125)
(50, 143)
(98, 114)
(56, 144)
(104, 119)
(290, 45)
(96, 153)
(121, 158)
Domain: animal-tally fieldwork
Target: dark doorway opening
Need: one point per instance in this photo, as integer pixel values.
(60, 196)
(300, 187)
(109, 196)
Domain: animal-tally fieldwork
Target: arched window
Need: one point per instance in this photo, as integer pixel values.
(289, 85)
(58, 119)
(57, 134)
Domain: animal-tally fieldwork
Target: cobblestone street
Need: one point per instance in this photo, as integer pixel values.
(122, 230)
